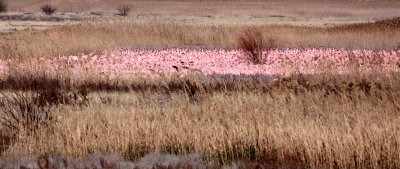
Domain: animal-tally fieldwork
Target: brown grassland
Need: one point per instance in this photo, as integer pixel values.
(193, 31)
(95, 37)
(300, 121)
(262, 8)
(319, 121)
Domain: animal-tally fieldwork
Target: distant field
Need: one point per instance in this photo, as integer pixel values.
(309, 13)
(92, 26)
(295, 8)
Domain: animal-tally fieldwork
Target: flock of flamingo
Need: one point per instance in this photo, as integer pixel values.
(153, 63)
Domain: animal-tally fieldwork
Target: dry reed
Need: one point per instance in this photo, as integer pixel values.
(333, 121)
(98, 36)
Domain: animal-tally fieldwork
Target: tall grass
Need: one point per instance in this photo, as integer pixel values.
(22, 111)
(253, 44)
(98, 36)
(332, 121)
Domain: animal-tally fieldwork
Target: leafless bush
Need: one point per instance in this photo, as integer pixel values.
(124, 10)
(22, 110)
(48, 9)
(3, 6)
(31, 110)
(253, 44)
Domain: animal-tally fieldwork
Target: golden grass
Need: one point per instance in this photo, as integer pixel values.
(309, 121)
(97, 36)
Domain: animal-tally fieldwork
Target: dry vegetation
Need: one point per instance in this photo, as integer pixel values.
(129, 33)
(48, 9)
(292, 8)
(124, 10)
(253, 44)
(332, 121)
(97, 36)
(3, 6)
(300, 121)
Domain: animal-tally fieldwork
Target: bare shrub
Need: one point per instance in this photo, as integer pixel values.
(124, 10)
(32, 109)
(48, 9)
(253, 44)
(22, 110)
(3, 6)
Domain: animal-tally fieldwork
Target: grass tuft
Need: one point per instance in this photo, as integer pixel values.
(253, 44)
